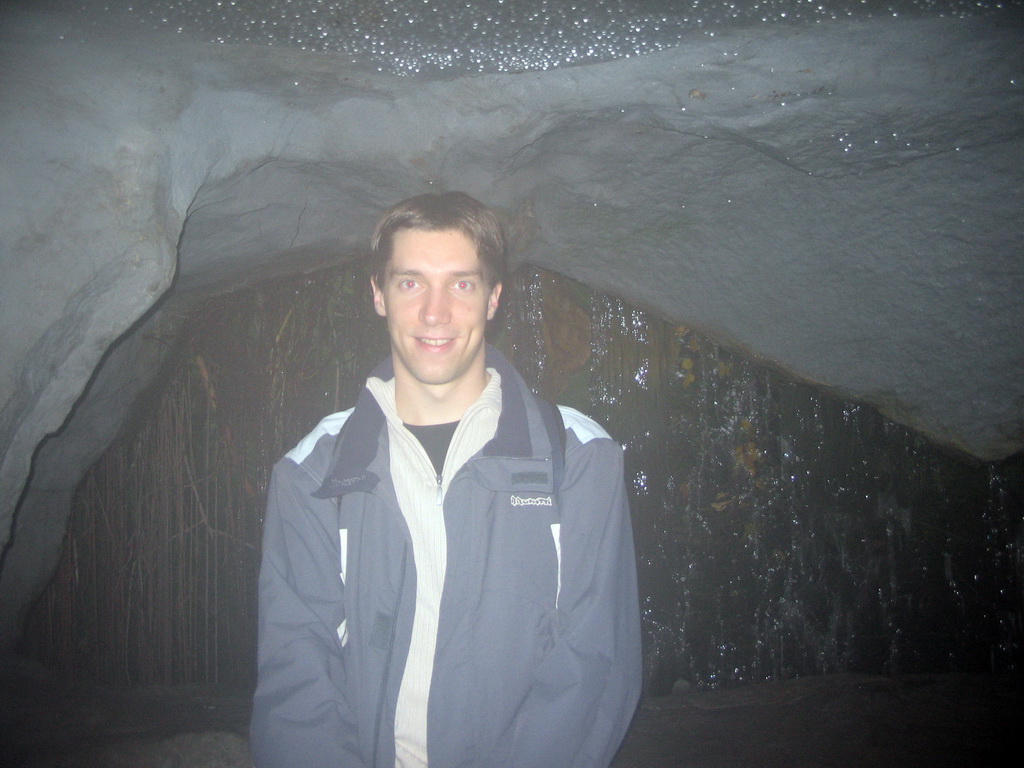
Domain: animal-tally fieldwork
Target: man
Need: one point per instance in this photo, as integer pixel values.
(448, 574)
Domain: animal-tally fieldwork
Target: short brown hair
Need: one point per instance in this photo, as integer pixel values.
(439, 211)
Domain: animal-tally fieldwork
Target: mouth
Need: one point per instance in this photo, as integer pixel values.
(434, 342)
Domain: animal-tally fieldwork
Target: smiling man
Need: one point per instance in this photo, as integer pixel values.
(437, 302)
(448, 575)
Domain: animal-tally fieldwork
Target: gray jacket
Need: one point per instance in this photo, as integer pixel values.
(537, 661)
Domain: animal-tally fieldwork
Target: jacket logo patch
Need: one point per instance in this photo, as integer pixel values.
(531, 501)
(529, 478)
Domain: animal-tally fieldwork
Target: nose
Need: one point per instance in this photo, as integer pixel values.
(436, 308)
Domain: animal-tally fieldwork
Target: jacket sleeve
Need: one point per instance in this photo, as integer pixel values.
(300, 713)
(586, 689)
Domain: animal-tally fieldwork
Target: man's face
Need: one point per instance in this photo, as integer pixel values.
(437, 305)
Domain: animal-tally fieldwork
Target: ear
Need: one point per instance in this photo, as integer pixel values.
(492, 301)
(378, 298)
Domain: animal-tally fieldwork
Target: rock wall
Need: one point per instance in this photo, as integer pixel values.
(842, 201)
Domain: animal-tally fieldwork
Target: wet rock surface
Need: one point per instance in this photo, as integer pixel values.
(46, 721)
(838, 200)
(835, 720)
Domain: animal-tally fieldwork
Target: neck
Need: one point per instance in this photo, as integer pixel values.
(424, 404)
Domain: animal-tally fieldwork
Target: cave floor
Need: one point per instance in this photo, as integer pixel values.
(837, 721)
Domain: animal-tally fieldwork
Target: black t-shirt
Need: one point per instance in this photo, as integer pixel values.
(435, 439)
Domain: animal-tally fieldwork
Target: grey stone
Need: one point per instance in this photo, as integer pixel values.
(842, 202)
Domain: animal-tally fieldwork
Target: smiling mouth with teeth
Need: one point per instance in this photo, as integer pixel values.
(435, 342)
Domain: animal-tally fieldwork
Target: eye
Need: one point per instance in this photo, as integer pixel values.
(407, 284)
(463, 285)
